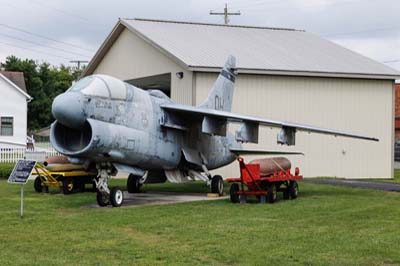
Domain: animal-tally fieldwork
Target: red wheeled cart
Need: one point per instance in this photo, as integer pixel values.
(251, 183)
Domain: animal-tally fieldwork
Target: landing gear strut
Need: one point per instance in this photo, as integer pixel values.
(216, 182)
(104, 195)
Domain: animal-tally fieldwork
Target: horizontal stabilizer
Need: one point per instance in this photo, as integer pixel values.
(265, 152)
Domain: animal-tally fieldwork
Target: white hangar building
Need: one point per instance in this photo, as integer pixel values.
(283, 74)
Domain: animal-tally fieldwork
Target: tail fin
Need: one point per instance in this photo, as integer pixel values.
(221, 95)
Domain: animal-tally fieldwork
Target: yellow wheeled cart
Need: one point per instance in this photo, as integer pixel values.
(67, 181)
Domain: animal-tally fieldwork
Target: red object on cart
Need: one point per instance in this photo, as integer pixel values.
(264, 187)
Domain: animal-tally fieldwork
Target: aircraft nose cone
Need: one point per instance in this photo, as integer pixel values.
(68, 109)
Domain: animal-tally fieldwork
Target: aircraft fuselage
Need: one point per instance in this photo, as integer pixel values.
(104, 125)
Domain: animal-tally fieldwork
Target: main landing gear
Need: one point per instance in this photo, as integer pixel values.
(217, 185)
(215, 182)
(134, 183)
(105, 196)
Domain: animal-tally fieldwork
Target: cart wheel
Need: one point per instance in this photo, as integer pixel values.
(38, 184)
(271, 193)
(262, 199)
(116, 197)
(133, 184)
(81, 186)
(68, 186)
(217, 185)
(286, 194)
(293, 189)
(102, 199)
(243, 198)
(234, 189)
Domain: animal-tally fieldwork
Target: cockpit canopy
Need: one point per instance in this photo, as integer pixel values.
(102, 86)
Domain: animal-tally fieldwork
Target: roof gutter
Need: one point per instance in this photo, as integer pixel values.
(297, 73)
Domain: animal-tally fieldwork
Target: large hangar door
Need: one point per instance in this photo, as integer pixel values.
(158, 82)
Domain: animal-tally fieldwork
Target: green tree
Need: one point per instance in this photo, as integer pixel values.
(43, 83)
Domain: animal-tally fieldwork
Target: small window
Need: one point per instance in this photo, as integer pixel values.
(7, 126)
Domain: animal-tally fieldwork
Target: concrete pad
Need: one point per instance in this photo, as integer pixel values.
(158, 198)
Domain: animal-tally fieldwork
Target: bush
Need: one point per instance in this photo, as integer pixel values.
(6, 169)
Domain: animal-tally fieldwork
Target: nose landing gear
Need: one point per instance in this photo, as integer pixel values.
(105, 196)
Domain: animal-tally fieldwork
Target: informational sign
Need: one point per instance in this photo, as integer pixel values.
(20, 174)
(22, 170)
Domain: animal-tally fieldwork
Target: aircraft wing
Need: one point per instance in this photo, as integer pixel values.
(214, 122)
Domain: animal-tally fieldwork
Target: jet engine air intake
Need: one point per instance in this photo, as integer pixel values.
(70, 140)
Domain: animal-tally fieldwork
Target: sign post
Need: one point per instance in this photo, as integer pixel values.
(20, 174)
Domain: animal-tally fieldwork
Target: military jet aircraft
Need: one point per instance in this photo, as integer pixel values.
(105, 123)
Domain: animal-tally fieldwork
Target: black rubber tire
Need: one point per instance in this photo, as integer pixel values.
(133, 184)
(38, 184)
(293, 189)
(116, 197)
(232, 192)
(80, 185)
(286, 194)
(217, 185)
(103, 199)
(272, 193)
(68, 186)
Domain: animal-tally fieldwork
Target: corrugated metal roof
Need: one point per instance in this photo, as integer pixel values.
(257, 49)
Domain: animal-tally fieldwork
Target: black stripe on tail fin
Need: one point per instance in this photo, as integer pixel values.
(221, 95)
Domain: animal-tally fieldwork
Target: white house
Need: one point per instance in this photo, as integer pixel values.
(13, 109)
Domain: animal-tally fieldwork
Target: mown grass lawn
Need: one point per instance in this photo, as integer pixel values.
(395, 179)
(326, 225)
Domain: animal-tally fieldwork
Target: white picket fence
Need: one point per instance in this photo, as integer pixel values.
(10, 155)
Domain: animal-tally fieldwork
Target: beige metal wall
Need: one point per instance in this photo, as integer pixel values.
(131, 57)
(359, 106)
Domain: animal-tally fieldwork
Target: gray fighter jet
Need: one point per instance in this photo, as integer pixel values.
(105, 123)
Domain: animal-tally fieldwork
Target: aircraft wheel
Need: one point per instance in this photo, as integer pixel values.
(293, 189)
(116, 197)
(271, 193)
(38, 184)
(133, 184)
(102, 199)
(68, 186)
(217, 185)
(232, 193)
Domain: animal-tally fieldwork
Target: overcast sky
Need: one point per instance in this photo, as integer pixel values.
(77, 28)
